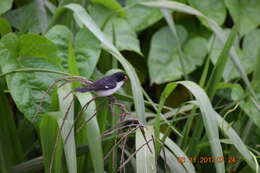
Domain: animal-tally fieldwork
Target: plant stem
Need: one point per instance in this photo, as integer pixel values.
(34, 70)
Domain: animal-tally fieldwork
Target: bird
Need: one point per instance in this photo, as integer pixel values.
(105, 86)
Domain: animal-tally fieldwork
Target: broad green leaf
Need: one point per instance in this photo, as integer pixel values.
(163, 62)
(42, 15)
(17, 18)
(145, 159)
(121, 33)
(214, 9)
(87, 48)
(27, 89)
(100, 14)
(5, 26)
(112, 4)
(93, 132)
(5, 5)
(247, 11)
(87, 51)
(238, 94)
(247, 54)
(82, 18)
(141, 17)
(48, 132)
(195, 51)
(36, 46)
(65, 119)
(251, 47)
(209, 120)
(61, 36)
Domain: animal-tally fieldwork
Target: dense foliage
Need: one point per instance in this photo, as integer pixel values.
(193, 93)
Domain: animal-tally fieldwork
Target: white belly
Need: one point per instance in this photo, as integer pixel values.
(109, 92)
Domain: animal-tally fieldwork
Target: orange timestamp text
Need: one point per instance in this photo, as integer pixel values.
(203, 160)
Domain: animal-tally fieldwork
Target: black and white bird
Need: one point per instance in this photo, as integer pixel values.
(106, 86)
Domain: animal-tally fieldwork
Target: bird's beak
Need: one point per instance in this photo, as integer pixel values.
(126, 78)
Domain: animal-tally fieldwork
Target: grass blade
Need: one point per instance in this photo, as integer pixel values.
(165, 94)
(236, 141)
(65, 121)
(48, 132)
(145, 160)
(170, 21)
(83, 19)
(221, 63)
(10, 146)
(208, 116)
(173, 162)
(93, 132)
(179, 154)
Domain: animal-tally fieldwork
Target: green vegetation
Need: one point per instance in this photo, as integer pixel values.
(193, 94)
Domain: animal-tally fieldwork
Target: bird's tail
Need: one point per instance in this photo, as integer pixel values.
(82, 90)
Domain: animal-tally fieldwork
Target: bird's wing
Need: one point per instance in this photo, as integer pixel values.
(102, 84)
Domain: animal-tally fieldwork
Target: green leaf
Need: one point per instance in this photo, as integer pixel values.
(99, 14)
(61, 36)
(218, 69)
(215, 28)
(42, 15)
(87, 51)
(93, 132)
(87, 48)
(112, 4)
(209, 120)
(165, 94)
(121, 33)
(214, 9)
(145, 159)
(5, 5)
(10, 145)
(65, 118)
(48, 132)
(141, 17)
(163, 62)
(179, 153)
(82, 17)
(17, 18)
(247, 54)
(237, 94)
(195, 51)
(247, 11)
(251, 47)
(174, 164)
(5, 26)
(27, 89)
(236, 141)
(36, 46)
(73, 69)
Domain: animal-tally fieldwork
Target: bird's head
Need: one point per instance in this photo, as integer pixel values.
(120, 76)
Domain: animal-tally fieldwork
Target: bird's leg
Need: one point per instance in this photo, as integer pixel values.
(124, 112)
(111, 100)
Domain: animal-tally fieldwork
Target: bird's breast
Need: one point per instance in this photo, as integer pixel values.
(109, 92)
